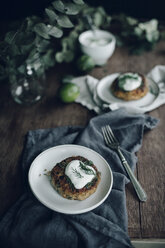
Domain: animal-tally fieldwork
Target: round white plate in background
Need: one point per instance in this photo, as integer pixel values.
(105, 94)
(46, 194)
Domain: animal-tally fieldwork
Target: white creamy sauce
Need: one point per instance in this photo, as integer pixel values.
(79, 176)
(130, 81)
(96, 41)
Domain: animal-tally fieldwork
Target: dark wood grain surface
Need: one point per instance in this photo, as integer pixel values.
(145, 220)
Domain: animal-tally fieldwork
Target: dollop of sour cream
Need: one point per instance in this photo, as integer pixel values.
(96, 41)
(79, 176)
(129, 81)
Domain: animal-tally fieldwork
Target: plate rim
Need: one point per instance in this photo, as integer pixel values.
(77, 211)
(100, 81)
(111, 102)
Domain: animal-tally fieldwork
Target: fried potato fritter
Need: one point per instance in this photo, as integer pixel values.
(130, 95)
(64, 186)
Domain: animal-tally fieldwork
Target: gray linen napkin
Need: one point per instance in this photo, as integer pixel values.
(30, 224)
(88, 95)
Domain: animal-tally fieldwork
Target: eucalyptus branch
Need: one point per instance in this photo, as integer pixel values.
(42, 42)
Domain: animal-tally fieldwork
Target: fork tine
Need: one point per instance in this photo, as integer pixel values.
(111, 139)
(112, 134)
(105, 138)
(105, 135)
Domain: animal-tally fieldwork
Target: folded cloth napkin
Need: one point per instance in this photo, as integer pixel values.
(30, 224)
(88, 96)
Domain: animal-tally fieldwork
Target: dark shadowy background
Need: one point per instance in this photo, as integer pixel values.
(14, 9)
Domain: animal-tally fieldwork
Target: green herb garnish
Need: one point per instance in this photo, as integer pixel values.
(77, 173)
(124, 77)
(88, 162)
(86, 169)
(70, 183)
(90, 184)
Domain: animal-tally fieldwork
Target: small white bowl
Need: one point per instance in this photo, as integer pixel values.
(98, 44)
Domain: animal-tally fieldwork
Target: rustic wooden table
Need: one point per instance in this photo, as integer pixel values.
(145, 220)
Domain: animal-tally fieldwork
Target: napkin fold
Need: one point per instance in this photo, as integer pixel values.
(88, 95)
(30, 224)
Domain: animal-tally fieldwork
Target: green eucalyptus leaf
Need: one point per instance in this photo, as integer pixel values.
(10, 36)
(37, 64)
(21, 38)
(42, 30)
(26, 48)
(108, 19)
(64, 21)
(71, 9)
(37, 69)
(131, 21)
(29, 37)
(11, 64)
(59, 56)
(72, 42)
(58, 5)
(43, 45)
(67, 8)
(80, 27)
(152, 36)
(73, 35)
(80, 2)
(138, 31)
(38, 40)
(12, 75)
(68, 56)
(16, 62)
(33, 54)
(85, 63)
(22, 69)
(101, 10)
(64, 43)
(54, 31)
(15, 50)
(31, 21)
(68, 43)
(51, 14)
(48, 59)
(26, 42)
(98, 19)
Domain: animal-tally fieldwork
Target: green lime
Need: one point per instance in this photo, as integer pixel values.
(85, 63)
(69, 92)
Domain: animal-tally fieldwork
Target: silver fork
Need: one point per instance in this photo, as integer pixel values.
(113, 143)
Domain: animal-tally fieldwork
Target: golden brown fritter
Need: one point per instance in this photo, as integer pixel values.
(130, 95)
(64, 186)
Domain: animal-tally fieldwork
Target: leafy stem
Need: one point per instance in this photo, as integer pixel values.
(77, 173)
(86, 169)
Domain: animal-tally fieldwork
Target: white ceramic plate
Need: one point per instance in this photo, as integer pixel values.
(104, 93)
(43, 190)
